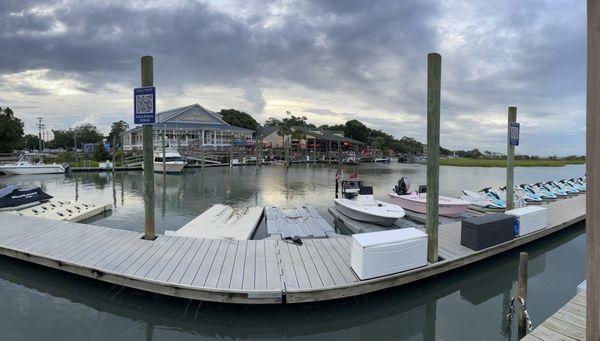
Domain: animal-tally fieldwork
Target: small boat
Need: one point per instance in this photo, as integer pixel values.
(417, 201)
(574, 184)
(486, 198)
(383, 159)
(559, 193)
(358, 203)
(28, 165)
(13, 197)
(173, 162)
(528, 196)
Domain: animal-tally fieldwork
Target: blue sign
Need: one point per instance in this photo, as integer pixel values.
(144, 105)
(514, 134)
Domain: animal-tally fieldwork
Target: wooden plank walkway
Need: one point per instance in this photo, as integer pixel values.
(236, 271)
(302, 222)
(568, 323)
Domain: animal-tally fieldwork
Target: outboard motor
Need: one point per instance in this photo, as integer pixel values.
(402, 187)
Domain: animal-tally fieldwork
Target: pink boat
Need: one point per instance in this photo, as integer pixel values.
(417, 202)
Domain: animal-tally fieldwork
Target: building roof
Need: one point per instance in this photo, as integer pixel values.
(192, 116)
(316, 133)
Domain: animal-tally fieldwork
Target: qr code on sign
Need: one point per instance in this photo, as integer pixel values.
(144, 104)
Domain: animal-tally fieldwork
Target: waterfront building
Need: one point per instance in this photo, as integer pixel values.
(319, 138)
(191, 126)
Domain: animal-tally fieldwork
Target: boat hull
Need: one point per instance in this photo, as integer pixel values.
(170, 167)
(448, 207)
(25, 170)
(363, 216)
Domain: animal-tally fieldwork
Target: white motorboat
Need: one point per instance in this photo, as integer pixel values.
(27, 164)
(173, 162)
(357, 202)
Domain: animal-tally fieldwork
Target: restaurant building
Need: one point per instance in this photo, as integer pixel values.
(191, 126)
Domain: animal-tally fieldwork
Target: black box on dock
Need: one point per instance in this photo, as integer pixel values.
(480, 232)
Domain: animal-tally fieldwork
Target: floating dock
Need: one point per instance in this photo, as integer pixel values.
(568, 323)
(71, 211)
(300, 222)
(252, 272)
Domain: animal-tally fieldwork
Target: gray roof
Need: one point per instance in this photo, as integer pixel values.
(185, 117)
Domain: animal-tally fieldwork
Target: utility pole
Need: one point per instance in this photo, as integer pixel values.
(147, 73)
(510, 158)
(434, 74)
(40, 126)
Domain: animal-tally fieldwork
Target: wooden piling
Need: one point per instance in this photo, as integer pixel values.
(75, 150)
(593, 171)
(434, 71)
(510, 158)
(164, 156)
(340, 159)
(148, 147)
(522, 293)
(122, 150)
(114, 154)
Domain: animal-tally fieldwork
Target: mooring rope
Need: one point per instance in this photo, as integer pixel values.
(511, 310)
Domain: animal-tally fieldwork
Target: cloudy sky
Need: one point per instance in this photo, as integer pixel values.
(77, 61)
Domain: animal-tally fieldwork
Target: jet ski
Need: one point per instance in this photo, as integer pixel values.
(485, 198)
(528, 195)
(566, 188)
(551, 189)
(543, 193)
(574, 184)
(16, 197)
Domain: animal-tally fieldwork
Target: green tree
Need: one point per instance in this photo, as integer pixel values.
(87, 133)
(99, 153)
(335, 127)
(239, 119)
(273, 122)
(357, 130)
(63, 138)
(116, 130)
(30, 142)
(11, 131)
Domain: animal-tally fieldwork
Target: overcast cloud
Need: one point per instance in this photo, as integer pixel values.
(77, 61)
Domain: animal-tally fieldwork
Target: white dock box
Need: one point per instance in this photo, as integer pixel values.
(382, 253)
(531, 218)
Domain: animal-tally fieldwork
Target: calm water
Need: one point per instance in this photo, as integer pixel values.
(468, 304)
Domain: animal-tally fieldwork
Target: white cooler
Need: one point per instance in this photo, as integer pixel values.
(531, 218)
(382, 253)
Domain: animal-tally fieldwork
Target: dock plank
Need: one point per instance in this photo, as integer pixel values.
(260, 279)
(249, 267)
(184, 263)
(212, 279)
(227, 271)
(201, 275)
(237, 277)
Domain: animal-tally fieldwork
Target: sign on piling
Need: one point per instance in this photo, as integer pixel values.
(513, 140)
(144, 105)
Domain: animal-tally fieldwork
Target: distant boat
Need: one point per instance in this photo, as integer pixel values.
(173, 162)
(357, 202)
(417, 201)
(27, 165)
(383, 159)
(16, 197)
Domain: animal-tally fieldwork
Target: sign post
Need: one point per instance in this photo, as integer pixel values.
(513, 140)
(144, 113)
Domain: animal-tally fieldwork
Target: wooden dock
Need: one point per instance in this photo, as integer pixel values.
(568, 323)
(252, 272)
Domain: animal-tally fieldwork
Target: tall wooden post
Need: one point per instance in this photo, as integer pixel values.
(522, 293)
(510, 158)
(314, 151)
(434, 74)
(114, 155)
(76, 153)
(164, 156)
(286, 151)
(340, 159)
(593, 171)
(148, 146)
(122, 150)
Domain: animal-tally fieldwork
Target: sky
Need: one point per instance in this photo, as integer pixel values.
(76, 62)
